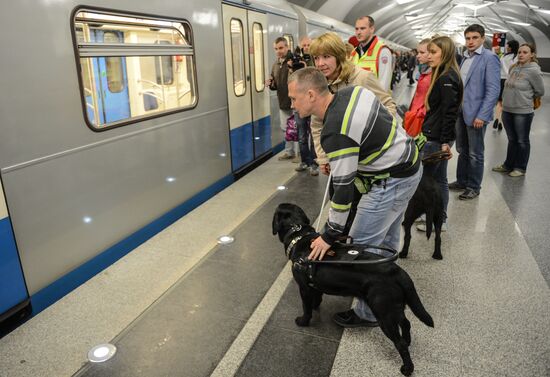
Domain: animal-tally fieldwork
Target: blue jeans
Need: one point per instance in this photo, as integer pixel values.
(471, 149)
(305, 140)
(438, 171)
(378, 219)
(517, 128)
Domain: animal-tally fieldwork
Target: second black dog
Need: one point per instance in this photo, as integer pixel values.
(386, 287)
(427, 200)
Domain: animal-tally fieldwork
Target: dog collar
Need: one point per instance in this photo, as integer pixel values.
(291, 245)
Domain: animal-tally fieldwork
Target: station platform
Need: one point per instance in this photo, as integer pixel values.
(183, 305)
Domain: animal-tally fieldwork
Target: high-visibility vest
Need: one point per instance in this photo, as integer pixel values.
(369, 60)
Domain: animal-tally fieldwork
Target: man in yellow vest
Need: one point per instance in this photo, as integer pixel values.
(371, 54)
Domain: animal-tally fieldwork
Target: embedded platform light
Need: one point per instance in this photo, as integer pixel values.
(281, 188)
(223, 155)
(170, 179)
(101, 353)
(225, 240)
(87, 219)
(256, 138)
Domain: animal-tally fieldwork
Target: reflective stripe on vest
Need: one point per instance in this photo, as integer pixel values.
(369, 60)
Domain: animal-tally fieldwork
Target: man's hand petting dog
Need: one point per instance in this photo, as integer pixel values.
(318, 249)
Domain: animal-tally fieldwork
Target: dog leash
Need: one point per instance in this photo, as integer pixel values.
(317, 228)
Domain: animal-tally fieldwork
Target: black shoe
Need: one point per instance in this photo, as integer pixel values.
(500, 126)
(495, 124)
(468, 194)
(455, 186)
(350, 319)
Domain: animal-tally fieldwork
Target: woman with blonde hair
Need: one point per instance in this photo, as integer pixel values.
(330, 56)
(442, 104)
(522, 91)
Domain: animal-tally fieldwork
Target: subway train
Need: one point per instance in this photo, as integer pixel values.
(118, 117)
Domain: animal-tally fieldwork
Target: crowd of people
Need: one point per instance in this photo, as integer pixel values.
(338, 96)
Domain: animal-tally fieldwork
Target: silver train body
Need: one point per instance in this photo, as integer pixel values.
(120, 116)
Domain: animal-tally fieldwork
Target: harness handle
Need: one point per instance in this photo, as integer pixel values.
(391, 258)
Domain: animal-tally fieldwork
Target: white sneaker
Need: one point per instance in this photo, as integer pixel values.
(422, 227)
(421, 219)
(516, 173)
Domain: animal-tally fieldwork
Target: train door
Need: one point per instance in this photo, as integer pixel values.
(245, 54)
(111, 79)
(13, 291)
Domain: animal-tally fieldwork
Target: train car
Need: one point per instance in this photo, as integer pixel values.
(118, 117)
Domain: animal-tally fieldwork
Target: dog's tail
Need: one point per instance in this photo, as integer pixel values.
(413, 300)
(429, 222)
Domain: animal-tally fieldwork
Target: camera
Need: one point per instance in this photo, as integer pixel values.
(296, 61)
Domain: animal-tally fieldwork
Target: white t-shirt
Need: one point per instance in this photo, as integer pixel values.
(506, 61)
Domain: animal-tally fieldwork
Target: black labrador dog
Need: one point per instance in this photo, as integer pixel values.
(427, 200)
(386, 287)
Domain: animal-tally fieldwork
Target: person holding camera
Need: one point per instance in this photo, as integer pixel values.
(278, 82)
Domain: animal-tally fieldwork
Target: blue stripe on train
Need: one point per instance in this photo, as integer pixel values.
(242, 149)
(250, 141)
(62, 286)
(262, 136)
(12, 284)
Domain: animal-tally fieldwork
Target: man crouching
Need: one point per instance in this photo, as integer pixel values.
(367, 150)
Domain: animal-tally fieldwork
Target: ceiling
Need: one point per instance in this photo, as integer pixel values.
(406, 21)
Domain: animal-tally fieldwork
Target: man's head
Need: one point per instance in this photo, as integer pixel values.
(305, 42)
(474, 36)
(364, 29)
(281, 47)
(308, 91)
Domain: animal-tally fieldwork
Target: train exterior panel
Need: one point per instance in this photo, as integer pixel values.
(73, 192)
(117, 119)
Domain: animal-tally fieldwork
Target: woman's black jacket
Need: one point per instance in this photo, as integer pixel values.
(444, 100)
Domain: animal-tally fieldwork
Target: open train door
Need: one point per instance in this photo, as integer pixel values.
(245, 37)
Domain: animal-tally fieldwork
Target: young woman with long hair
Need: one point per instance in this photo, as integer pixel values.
(522, 88)
(442, 103)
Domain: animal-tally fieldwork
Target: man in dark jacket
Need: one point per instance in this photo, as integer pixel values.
(278, 82)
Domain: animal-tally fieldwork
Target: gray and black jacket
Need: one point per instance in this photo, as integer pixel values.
(363, 143)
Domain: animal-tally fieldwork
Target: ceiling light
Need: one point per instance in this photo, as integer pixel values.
(281, 188)
(545, 11)
(403, 1)
(520, 23)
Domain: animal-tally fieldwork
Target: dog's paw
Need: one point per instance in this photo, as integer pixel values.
(437, 256)
(302, 321)
(406, 370)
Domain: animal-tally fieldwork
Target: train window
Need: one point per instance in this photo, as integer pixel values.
(237, 57)
(258, 43)
(115, 79)
(290, 39)
(164, 68)
(133, 68)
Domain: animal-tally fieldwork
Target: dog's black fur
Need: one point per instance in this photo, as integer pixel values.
(426, 199)
(386, 287)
